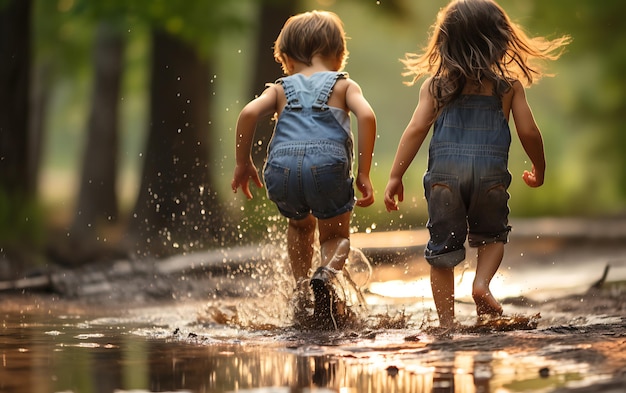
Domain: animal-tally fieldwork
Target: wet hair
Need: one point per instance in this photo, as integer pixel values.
(473, 41)
(312, 33)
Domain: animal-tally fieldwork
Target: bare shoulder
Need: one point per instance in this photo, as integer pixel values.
(271, 100)
(515, 93)
(428, 82)
(273, 88)
(426, 97)
(346, 83)
(518, 88)
(276, 94)
(344, 90)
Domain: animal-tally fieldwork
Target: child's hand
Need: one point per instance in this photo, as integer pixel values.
(364, 184)
(242, 176)
(532, 178)
(394, 187)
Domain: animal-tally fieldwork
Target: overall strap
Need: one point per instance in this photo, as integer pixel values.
(290, 93)
(321, 103)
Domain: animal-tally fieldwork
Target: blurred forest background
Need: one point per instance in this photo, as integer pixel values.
(117, 119)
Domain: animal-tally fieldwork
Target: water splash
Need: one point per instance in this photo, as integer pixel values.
(276, 301)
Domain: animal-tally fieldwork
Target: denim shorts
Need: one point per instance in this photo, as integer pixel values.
(465, 205)
(314, 177)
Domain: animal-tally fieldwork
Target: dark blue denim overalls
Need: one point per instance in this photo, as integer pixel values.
(467, 179)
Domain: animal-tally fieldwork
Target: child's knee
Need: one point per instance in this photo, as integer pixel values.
(306, 224)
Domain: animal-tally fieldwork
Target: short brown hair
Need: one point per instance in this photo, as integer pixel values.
(312, 33)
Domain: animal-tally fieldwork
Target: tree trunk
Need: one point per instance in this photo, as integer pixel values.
(175, 209)
(272, 17)
(39, 100)
(97, 205)
(14, 95)
(97, 200)
(19, 220)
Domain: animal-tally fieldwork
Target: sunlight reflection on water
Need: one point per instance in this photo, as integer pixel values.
(168, 349)
(420, 288)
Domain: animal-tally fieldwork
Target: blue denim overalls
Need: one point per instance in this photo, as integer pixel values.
(467, 179)
(309, 162)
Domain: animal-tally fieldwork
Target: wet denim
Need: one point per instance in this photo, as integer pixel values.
(309, 162)
(467, 179)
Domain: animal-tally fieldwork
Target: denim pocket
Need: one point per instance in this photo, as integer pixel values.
(442, 193)
(488, 217)
(330, 179)
(276, 181)
(493, 190)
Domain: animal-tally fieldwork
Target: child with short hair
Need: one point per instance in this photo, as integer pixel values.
(308, 172)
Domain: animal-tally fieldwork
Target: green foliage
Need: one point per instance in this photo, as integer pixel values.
(597, 108)
(62, 42)
(21, 222)
(197, 22)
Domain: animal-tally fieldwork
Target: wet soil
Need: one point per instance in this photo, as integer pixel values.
(55, 345)
(564, 328)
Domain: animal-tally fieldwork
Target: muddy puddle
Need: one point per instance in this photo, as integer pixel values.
(240, 335)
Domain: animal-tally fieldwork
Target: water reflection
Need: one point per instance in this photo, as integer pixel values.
(420, 287)
(180, 346)
(44, 353)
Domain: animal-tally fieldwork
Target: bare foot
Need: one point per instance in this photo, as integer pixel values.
(487, 305)
(447, 324)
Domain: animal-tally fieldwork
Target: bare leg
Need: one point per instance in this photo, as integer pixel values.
(334, 250)
(335, 240)
(489, 259)
(300, 238)
(442, 284)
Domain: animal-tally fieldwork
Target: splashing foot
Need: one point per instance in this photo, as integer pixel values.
(328, 308)
(487, 307)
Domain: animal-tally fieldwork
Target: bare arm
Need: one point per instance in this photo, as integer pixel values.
(245, 170)
(366, 123)
(529, 135)
(410, 143)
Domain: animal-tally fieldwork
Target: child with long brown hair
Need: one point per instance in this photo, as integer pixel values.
(478, 61)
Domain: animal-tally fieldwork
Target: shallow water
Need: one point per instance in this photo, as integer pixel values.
(243, 342)
(168, 348)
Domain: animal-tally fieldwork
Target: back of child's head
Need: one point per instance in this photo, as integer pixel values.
(474, 34)
(475, 41)
(312, 33)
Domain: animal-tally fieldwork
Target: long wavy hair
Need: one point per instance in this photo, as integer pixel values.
(473, 41)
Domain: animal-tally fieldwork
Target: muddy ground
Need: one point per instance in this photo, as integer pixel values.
(572, 274)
